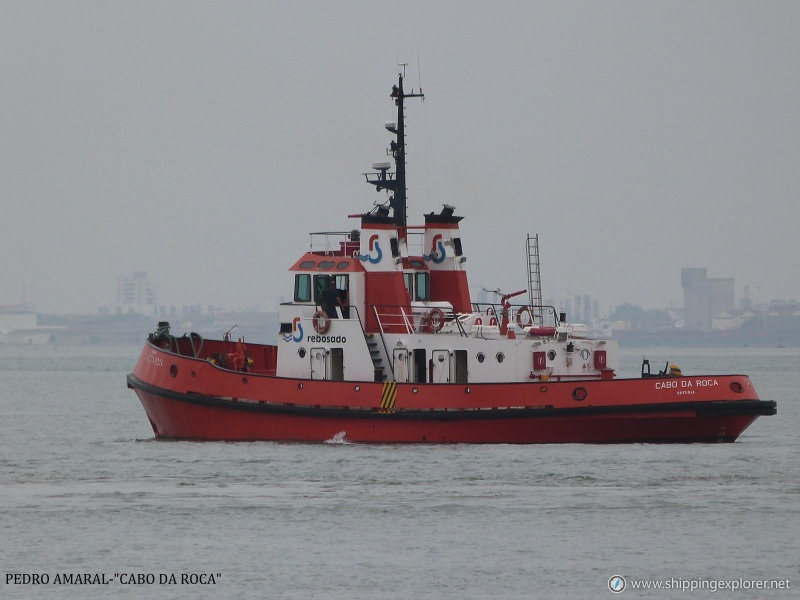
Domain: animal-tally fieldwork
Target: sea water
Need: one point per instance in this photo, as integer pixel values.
(92, 503)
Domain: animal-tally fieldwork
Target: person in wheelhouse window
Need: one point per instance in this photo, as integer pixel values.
(331, 298)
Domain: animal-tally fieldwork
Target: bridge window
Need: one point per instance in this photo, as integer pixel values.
(321, 284)
(422, 286)
(418, 285)
(302, 288)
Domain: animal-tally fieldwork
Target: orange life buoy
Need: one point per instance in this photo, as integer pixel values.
(435, 319)
(528, 321)
(321, 321)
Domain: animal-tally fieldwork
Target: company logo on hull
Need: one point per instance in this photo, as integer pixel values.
(375, 247)
(297, 331)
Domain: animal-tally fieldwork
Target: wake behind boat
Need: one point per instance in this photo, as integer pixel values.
(382, 343)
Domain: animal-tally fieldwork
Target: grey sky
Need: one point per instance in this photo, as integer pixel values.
(201, 141)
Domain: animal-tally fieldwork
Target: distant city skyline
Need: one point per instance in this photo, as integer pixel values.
(136, 291)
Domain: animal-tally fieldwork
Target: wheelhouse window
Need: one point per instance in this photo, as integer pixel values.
(418, 285)
(321, 283)
(422, 286)
(302, 287)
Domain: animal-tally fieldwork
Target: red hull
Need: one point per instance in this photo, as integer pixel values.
(238, 407)
(173, 419)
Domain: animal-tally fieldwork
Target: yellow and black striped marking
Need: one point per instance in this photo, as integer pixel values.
(388, 396)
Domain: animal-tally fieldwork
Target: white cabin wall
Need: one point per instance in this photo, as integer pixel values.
(343, 333)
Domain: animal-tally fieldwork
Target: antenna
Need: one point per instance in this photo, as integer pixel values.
(383, 179)
(419, 74)
(404, 65)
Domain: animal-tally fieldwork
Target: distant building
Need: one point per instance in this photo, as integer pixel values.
(705, 298)
(135, 294)
(21, 326)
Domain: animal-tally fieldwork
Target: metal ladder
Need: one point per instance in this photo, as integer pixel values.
(375, 354)
(534, 278)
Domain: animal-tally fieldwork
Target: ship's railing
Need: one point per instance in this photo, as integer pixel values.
(345, 243)
(334, 243)
(395, 318)
(416, 319)
(416, 243)
(535, 315)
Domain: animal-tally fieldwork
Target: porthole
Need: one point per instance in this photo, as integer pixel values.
(301, 352)
(579, 394)
(414, 390)
(467, 390)
(357, 388)
(173, 370)
(736, 387)
(481, 357)
(585, 354)
(551, 355)
(500, 357)
(299, 386)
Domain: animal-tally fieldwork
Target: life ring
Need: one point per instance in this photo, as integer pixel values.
(528, 321)
(435, 319)
(321, 321)
(478, 321)
(493, 322)
(490, 311)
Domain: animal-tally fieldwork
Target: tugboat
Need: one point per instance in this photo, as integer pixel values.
(383, 344)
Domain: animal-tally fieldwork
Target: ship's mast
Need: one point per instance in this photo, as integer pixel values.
(398, 201)
(395, 182)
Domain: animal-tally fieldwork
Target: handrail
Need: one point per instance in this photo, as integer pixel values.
(462, 332)
(535, 309)
(378, 319)
(327, 242)
(383, 341)
(409, 325)
(396, 317)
